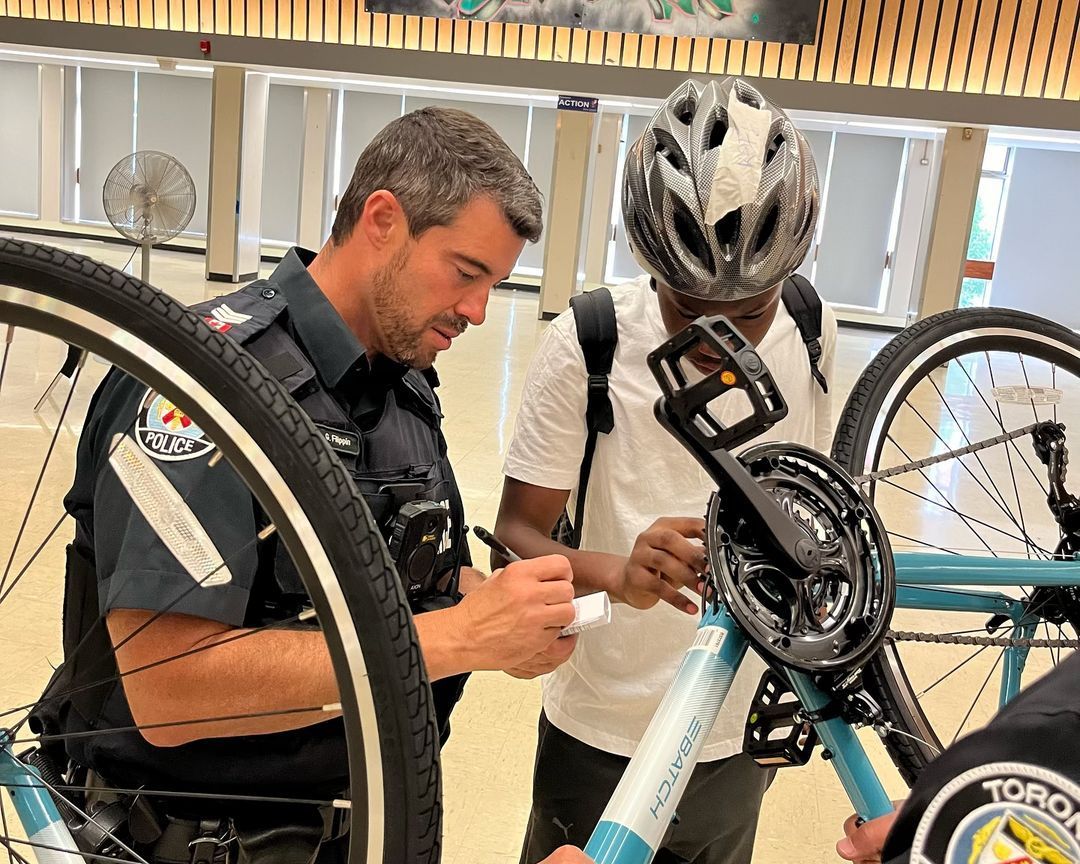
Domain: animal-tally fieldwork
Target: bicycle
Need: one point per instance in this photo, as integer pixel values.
(801, 567)
(847, 672)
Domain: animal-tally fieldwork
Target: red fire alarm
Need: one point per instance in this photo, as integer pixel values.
(204, 46)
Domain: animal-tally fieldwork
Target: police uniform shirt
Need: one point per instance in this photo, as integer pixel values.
(1007, 793)
(374, 413)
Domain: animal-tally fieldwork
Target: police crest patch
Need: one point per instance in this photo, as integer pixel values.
(165, 432)
(1002, 813)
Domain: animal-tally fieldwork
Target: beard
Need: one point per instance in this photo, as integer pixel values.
(404, 337)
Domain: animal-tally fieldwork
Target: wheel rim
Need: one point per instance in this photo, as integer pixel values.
(49, 315)
(959, 371)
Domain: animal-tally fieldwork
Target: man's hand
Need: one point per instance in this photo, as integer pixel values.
(863, 843)
(517, 614)
(557, 653)
(567, 855)
(663, 561)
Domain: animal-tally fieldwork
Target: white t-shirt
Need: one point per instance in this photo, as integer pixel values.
(606, 693)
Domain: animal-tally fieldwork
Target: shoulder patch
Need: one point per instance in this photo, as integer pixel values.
(166, 433)
(1002, 813)
(222, 318)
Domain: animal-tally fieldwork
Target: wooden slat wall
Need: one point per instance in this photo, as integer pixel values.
(1013, 47)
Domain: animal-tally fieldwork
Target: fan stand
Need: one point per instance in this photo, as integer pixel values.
(144, 273)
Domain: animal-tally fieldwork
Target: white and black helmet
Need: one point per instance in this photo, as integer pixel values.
(668, 180)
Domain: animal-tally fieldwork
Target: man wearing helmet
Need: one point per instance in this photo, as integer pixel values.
(720, 204)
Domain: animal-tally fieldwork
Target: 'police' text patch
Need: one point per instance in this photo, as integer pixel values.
(167, 433)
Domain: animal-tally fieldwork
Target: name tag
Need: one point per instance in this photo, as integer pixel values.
(341, 441)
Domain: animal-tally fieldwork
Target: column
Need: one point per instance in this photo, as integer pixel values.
(51, 161)
(602, 192)
(958, 187)
(316, 154)
(569, 173)
(237, 142)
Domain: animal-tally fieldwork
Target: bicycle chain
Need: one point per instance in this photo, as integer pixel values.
(943, 457)
(986, 641)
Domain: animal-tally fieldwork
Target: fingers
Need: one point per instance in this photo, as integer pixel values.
(557, 653)
(672, 596)
(864, 842)
(691, 527)
(549, 568)
(673, 569)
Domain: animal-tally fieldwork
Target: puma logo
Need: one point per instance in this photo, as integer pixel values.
(564, 828)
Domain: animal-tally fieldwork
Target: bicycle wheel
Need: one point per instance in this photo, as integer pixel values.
(942, 430)
(48, 298)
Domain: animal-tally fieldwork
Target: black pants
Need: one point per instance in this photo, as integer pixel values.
(572, 783)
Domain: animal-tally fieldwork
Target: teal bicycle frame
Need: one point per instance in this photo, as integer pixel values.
(636, 820)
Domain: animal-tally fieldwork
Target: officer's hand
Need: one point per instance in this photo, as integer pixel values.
(863, 843)
(663, 561)
(557, 653)
(517, 613)
(567, 855)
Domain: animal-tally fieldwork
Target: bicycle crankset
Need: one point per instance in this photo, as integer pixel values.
(835, 617)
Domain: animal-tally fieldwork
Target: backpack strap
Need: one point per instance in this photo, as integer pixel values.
(804, 306)
(598, 335)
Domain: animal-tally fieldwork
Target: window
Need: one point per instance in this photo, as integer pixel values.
(985, 225)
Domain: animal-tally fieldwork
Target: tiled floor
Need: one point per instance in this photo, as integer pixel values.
(488, 763)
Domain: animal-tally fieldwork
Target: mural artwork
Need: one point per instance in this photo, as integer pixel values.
(766, 20)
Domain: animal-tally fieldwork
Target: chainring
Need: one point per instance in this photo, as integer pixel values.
(833, 619)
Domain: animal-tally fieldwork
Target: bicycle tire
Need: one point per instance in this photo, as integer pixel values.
(329, 525)
(987, 329)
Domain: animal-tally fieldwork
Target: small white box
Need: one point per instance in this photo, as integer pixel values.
(592, 611)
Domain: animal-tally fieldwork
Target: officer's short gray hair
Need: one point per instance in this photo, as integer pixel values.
(436, 161)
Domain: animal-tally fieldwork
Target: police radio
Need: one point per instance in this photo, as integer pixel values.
(416, 539)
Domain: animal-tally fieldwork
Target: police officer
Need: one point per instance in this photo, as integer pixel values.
(437, 211)
(1007, 793)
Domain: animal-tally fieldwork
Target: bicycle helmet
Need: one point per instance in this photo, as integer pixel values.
(668, 179)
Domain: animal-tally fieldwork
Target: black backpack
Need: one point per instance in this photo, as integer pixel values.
(594, 317)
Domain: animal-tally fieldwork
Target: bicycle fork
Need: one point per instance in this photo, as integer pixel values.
(637, 817)
(40, 818)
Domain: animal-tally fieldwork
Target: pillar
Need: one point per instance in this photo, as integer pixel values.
(237, 142)
(51, 161)
(315, 166)
(569, 174)
(958, 187)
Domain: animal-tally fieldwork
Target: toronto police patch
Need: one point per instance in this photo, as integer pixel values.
(167, 433)
(1002, 813)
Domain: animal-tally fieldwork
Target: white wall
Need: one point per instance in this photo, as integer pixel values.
(19, 138)
(1036, 266)
(857, 217)
(541, 155)
(281, 163)
(108, 103)
(174, 117)
(362, 117)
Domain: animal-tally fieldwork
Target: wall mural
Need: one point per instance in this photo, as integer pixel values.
(765, 20)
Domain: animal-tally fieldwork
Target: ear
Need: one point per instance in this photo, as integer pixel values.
(383, 221)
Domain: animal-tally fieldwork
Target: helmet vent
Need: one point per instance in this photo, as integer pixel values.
(718, 130)
(668, 149)
(727, 231)
(685, 110)
(691, 237)
(774, 147)
(768, 228)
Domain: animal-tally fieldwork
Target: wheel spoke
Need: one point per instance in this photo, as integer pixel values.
(959, 461)
(955, 669)
(40, 478)
(978, 696)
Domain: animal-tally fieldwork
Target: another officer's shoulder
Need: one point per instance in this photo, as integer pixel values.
(246, 313)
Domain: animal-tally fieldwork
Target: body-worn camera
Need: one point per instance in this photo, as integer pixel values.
(416, 537)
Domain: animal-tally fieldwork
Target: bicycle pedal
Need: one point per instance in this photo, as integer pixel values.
(776, 734)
